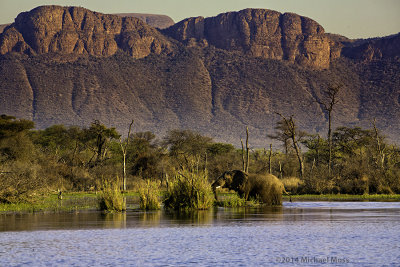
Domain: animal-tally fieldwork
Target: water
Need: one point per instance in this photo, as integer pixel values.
(297, 234)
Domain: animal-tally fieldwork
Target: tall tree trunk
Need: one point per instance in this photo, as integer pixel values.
(270, 159)
(247, 150)
(243, 161)
(124, 149)
(330, 140)
(328, 105)
(298, 154)
(379, 148)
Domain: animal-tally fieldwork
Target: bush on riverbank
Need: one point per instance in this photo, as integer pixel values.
(21, 182)
(148, 195)
(111, 198)
(189, 191)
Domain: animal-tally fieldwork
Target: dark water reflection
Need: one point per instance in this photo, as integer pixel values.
(299, 211)
(301, 233)
(130, 219)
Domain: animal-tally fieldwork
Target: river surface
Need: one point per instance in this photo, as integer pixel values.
(297, 234)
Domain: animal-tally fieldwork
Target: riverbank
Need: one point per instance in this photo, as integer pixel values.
(344, 197)
(76, 201)
(71, 201)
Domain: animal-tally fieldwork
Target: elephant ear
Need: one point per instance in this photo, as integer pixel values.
(228, 178)
(239, 180)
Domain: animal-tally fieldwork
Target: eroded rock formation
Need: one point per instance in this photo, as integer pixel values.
(78, 30)
(261, 33)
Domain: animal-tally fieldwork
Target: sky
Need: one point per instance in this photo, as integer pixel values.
(351, 18)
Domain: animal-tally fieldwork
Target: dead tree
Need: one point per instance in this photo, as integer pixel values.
(328, 105)
(379, 147)
(124, 148)
(291, 132)
(247, 150)
(270, 159)
(245, 159)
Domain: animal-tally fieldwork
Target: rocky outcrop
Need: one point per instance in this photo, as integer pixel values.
(78, 30)
(375, 49)
(261, 33)
(156, 21)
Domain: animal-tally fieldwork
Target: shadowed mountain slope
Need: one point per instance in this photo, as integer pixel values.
(185, 78)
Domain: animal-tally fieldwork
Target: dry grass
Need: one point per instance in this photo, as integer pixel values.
(189, 191)
(111, 198)
(148, 195)
(266, 188)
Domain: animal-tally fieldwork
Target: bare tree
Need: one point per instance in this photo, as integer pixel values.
(270, 159)
(290, 131)
(247, 150)
(245, 159)
(331, 100)
(124, 148)
(380, 147)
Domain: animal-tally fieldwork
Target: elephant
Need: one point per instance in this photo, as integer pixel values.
(266, 188)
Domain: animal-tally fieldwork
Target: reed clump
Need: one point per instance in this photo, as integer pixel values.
(149, 192)
(111, 198)
(266, 189)
(189, 191)
(233, 201)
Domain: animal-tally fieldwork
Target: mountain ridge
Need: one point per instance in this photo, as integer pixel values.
(194, 82)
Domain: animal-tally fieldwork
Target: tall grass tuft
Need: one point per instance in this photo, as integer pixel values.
(189, 191)
(111, 198)
(232, 200)
(148, 195)
(266, 188)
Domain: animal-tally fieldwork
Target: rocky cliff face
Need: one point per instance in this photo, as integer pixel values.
(375, 49)
(224, 74)
(77, 30)
(261, 33)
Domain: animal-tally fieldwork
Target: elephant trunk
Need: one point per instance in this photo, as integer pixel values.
(216, 184)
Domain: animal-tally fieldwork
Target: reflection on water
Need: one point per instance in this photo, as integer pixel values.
(94, 219)
(298, 211)
(301, 233)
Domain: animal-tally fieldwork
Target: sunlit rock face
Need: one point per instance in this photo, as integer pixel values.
(77, 30)
(260, 33)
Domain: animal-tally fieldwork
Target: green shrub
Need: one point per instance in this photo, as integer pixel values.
(110, 198)
(233, 200)
(148, 195)
(189, 191)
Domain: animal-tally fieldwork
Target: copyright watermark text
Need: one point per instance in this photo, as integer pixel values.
(307, 260)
